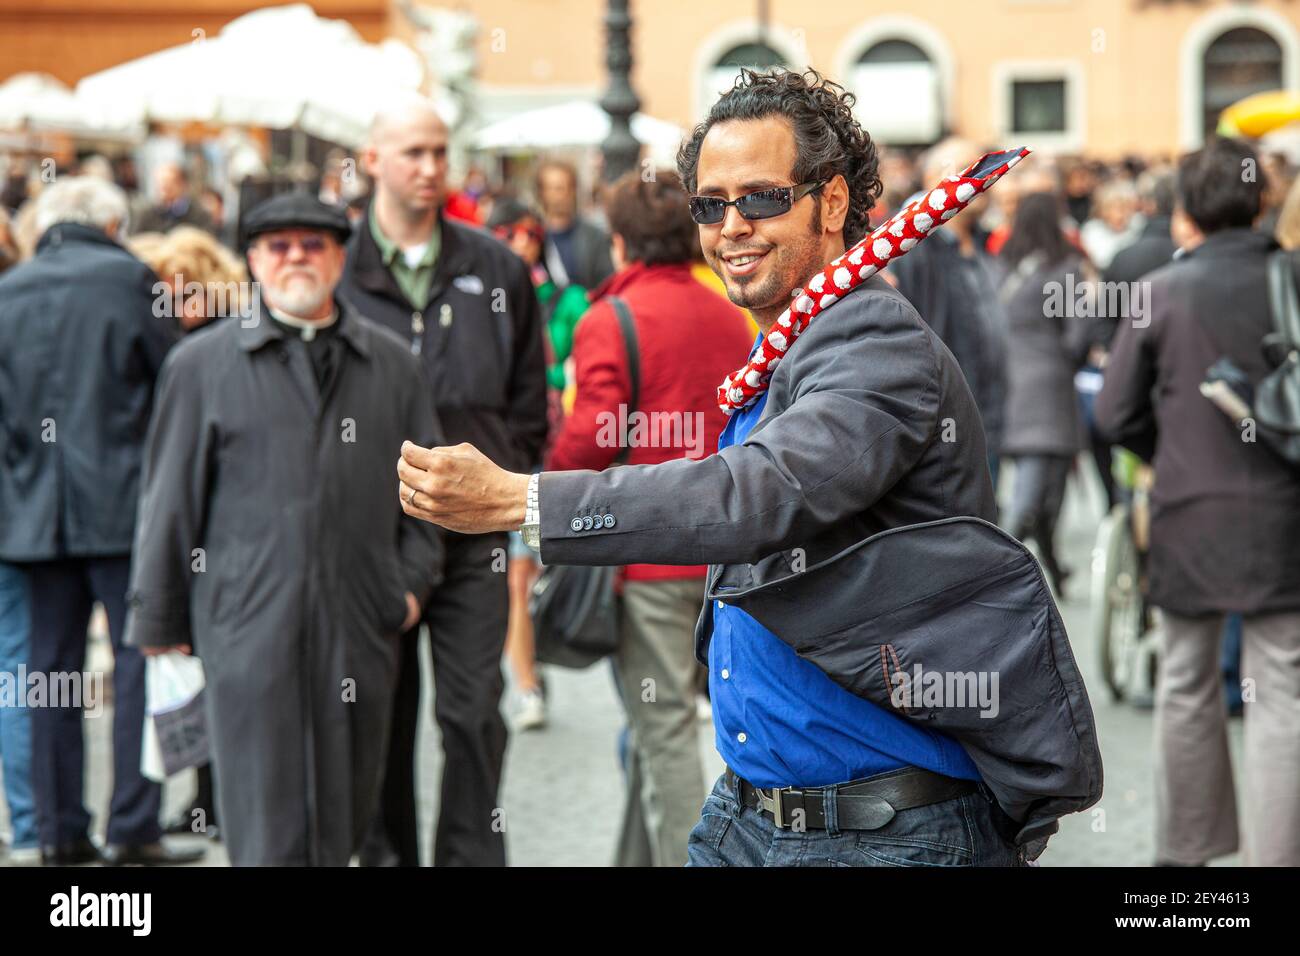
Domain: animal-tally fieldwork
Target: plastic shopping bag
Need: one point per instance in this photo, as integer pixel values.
(175, 731)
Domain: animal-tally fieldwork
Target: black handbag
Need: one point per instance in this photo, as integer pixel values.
(575, 610)
(1272, 405)
(1277, 397)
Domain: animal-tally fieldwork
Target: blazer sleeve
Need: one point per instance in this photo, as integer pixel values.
(863, 400)
(178, 457)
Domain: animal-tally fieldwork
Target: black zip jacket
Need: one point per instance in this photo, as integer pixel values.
(81, 343)
(479, 338)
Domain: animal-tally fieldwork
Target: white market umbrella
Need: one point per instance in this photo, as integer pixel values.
(37, 102)
(579, 123)
(281, 68)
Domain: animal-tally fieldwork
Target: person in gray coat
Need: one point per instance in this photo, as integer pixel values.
(269, 542)
(576, 251)
(1225, 526)
(953, 284)
(1046, 344)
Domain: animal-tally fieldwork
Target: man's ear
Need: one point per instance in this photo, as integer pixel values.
(254, 262)
(340, 255)
(1184, 231)
(835, 204)
(370, 160)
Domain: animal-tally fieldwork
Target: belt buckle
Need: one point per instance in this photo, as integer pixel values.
(772, 805)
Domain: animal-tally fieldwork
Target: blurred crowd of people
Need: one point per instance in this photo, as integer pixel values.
(500, 308)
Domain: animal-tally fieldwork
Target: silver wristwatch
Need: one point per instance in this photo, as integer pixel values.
(531, 529)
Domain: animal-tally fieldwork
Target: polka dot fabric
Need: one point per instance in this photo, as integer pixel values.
(892, 239)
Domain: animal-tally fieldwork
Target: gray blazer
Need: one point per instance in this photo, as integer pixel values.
(869, 427)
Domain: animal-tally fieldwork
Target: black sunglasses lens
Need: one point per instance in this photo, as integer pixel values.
(707, 210)
(764, 204)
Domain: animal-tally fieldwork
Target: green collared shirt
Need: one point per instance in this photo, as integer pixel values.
(413, 281)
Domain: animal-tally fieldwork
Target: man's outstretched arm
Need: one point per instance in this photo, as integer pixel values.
(864, 410)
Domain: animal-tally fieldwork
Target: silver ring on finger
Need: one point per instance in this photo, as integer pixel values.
(410, 499)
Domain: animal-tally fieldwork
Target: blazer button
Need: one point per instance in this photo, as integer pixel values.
(597, 522)
(576, 524)
(587, 523)
(609, 521)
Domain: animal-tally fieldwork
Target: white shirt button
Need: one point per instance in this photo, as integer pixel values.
(741, 737)
(720, 605)
(725, 674)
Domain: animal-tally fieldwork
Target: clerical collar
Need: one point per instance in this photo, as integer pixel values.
(306, 329)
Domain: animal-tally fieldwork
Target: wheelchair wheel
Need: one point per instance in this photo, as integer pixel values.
(1118, 618)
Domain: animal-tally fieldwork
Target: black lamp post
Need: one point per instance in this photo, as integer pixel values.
(620, 148)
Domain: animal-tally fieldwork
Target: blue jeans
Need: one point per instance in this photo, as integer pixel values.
(16, 721)
(958, 832)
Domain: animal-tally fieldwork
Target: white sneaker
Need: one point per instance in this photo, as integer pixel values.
(531, 714)
(26, 856)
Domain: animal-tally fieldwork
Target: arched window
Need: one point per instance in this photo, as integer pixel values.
(753, 56)
(1238, 63)
(898, 93)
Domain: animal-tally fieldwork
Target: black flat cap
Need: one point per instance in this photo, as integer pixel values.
(295, 211)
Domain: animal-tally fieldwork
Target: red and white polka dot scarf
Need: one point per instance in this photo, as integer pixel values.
(892, 239)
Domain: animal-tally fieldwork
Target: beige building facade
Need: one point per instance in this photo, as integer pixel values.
(1108, 77)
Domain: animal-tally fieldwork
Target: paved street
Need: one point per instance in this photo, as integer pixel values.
(563, 790)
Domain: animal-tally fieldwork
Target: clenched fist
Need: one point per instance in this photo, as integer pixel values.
(460, 489)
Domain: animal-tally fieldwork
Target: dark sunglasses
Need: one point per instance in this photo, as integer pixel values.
(507, 233)
(311, 245)
(763, 204)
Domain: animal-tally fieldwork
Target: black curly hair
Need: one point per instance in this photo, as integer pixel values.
(827, 137)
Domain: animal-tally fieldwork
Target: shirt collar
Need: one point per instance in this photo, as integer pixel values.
(257, 333)
(390, 253)
(307, 330)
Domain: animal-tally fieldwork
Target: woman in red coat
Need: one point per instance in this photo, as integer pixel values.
(688, 339)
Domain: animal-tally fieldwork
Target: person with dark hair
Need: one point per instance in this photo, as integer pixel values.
(176, 203)
(853, 441)
(576, 251)
(1080, 182)
(517, 225)
(1046, 344)
(1225, 524)
(952, 282)
(673, 414)
(1153, 248)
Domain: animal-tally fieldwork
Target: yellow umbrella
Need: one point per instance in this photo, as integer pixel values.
(1259, 114)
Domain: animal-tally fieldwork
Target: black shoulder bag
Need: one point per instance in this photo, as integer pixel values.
(1274, 403)
(1277, 397)
(575, 610)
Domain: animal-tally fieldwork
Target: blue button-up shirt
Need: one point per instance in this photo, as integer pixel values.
(781, 722)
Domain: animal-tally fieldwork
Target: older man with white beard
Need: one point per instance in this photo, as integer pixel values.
(270, 544)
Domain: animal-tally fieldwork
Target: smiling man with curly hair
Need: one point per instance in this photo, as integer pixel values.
(866, 426)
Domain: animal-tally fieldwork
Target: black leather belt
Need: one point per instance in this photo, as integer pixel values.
(866, 804)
